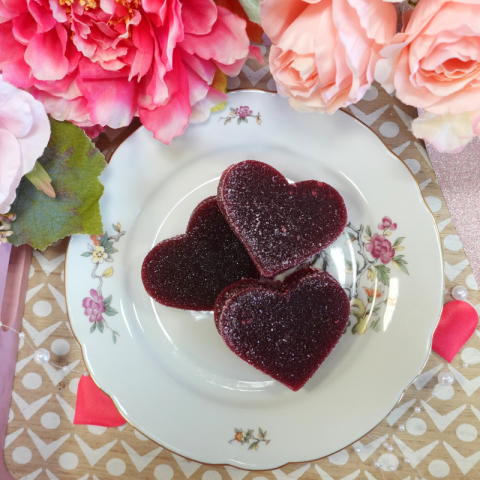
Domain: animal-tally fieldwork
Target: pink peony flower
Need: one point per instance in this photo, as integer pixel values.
(24, 134)
(380, 248)
(324, 52)
(94, 307)
(102, 62)
(434, 64)
(387, 224)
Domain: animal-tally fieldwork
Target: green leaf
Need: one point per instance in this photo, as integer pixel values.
(87, 254)
(368, 231)
(110, 311)
(108, 301)
(114, 338)
(101, 325)
(115, 227)
(403, 268)
(348, 264)
(104, 240)
(252, 9)
(253, 446)
(110, 250)
(383, 274)
(398, 241)
(232, 111)
(261, 432)
(74, 165)
(239, 120)
(93, 327)
(398, 257)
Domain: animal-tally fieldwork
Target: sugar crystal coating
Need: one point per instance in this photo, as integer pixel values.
(280, 224)
(285, 332)
(190, 270)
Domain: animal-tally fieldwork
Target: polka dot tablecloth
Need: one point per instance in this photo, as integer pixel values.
(441, 441)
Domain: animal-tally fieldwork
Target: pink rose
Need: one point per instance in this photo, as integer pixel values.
(324, 51)
(24, 134)
(434, 64)
(380, 248)
(102, 62)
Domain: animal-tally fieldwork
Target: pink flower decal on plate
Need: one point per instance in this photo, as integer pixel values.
(380, 248)
(96, 307)
(387, 224)
(241, 114)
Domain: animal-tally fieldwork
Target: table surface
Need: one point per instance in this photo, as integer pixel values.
(442, 441)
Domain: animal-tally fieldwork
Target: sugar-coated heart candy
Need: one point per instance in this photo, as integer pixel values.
(190, 270)
(280, 224)
(287, 331)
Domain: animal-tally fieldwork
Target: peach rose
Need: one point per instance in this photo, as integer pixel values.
(434, 64)
(324, 51)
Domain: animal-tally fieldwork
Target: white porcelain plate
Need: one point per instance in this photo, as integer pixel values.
(169, 372)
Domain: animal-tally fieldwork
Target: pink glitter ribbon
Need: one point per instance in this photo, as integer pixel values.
(458, 176)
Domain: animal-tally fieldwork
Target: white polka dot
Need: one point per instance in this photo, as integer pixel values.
(141, 437)
(413, 165)
(233, 82)
(439, 468)
(387, 461)
(73, 386)
(471, 356)
(62, 275)
(50, 420)
(471, 282)
(211, 475)
(60, 347)
(163, 472)
(68, 461)
(116, 467)
(22, 455)
(434, 203)
(467, 432)
(42, 308)
(260, 478)
(389, 129)
(32, 272)
(372, 94)
(416, 426)
(339, 458)
(444, 392)
(96, 430)
(32, 381)
(452, 242)
(11, 415)
(271, 85)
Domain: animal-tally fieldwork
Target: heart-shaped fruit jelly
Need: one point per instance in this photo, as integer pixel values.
(190, 270)
(287, 331)
(280, 224)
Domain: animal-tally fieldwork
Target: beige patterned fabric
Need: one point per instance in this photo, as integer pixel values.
(440, 441)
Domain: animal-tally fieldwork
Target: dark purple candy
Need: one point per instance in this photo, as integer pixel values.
(280, 224)
(288, 331)
(190, 270)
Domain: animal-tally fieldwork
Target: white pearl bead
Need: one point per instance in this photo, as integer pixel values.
(21, 335)
(459, 293)
(85, 374)
(401, 428)
(65, 369)
(390, 448)
(445, 378)
(392, 467)
(385, 444)
(418, 409)
(1, 324)
(377, 464)
(434, 394)
(41, 356)
(357, 450)
(407, 460)
(465, 365)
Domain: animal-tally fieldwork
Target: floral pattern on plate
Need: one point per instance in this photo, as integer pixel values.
(245, 437)
(377, 253)
(241, 114)
(96, 307)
